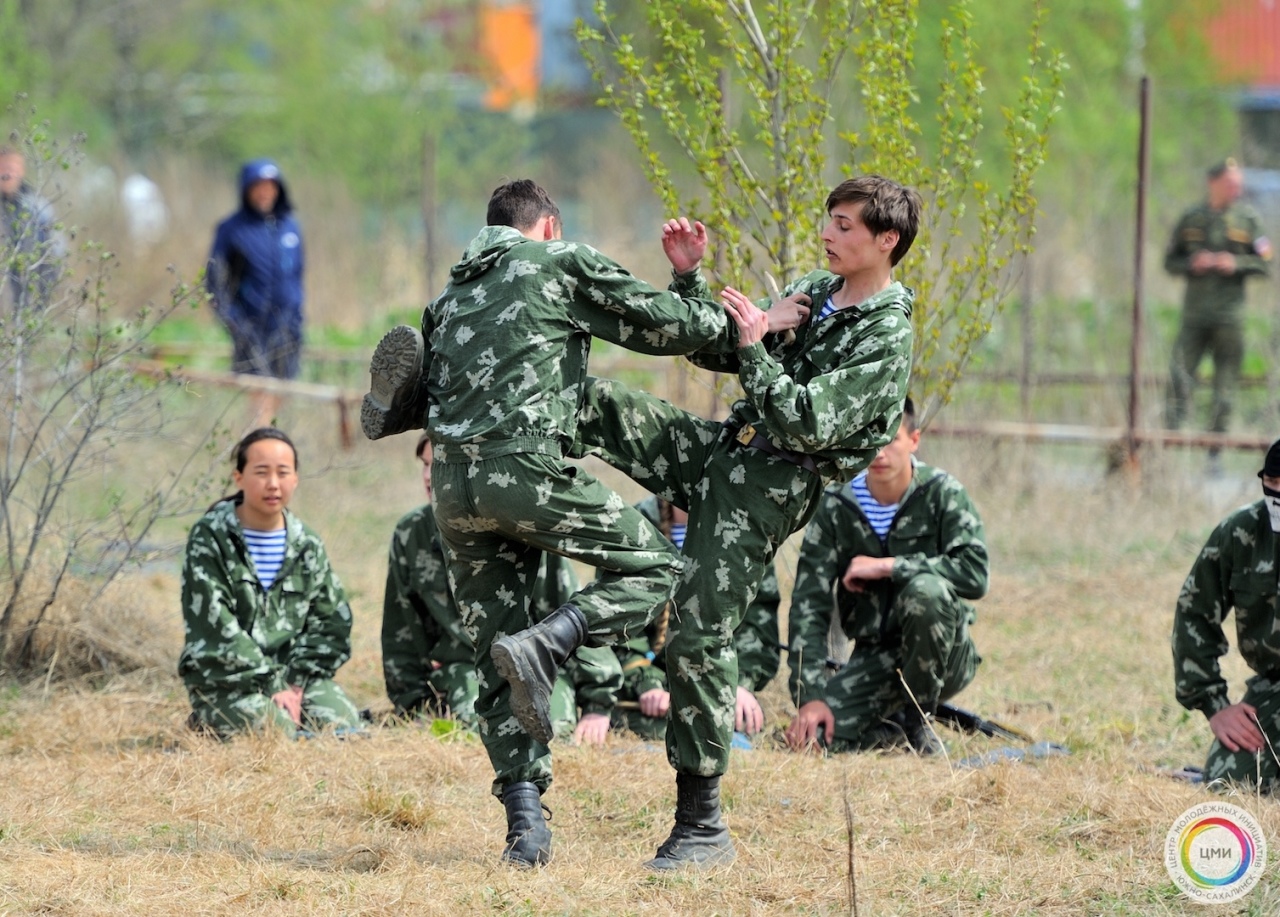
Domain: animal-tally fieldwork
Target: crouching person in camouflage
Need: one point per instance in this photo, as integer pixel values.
(427, 658)
(896, 554)
(644, 701)
(1236, 569)
(267, 623)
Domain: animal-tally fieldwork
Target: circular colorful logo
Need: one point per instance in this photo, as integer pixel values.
(1215, 852)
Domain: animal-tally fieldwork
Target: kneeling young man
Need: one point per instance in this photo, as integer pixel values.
(1236, 569)
(896, 553)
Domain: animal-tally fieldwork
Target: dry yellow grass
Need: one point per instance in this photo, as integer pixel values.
(108, 806)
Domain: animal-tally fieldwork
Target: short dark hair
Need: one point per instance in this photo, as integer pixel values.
(1219, 168)
(519, 204)
(257, 436)
(423, 441)
(909, 415)
(886, 205)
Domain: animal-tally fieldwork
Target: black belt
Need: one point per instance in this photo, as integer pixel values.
(747, 436)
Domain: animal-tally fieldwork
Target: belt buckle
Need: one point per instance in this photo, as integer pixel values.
(746, 434)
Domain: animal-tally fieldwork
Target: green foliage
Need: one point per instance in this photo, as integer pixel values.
(760, 176)
(72, 402)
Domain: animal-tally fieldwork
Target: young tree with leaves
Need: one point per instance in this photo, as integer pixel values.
(746, 96)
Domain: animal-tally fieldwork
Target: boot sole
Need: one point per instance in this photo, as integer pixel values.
(709, 860)
(394, 371)
(533, 717)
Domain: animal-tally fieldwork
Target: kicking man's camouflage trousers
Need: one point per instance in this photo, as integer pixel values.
(742, 503)
(1245, 767)
(931, 647)
(324, 704)
(496, 517)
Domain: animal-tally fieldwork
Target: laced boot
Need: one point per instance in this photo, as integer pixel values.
(529, 661)
(396, 401)
(528, 837)
(916, 723)
(699, 839)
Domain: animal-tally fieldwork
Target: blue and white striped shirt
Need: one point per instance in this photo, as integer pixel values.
(828, 308)
(879, 515)
(266, 550)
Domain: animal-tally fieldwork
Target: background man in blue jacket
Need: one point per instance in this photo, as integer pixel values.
(255, 277)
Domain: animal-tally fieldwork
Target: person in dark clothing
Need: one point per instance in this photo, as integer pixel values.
(31, 247)
(255, 279)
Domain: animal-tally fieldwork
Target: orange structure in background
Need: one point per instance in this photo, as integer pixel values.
(509, 45)
(1245, 38)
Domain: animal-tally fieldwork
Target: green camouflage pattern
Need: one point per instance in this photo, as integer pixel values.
(508, 341)
(1213, 304)
(429, 663)
(1214, 296)
(643, 659)
(836, 394)
(245, 643)
(510, 335)
(916, 621)
(836, 391)
(1236, 570)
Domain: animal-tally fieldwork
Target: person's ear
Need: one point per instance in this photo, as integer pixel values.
(888, 240)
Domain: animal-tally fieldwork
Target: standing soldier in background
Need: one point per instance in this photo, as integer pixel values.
(1216, 245)
(255, 278)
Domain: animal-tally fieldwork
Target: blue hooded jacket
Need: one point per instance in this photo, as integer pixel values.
(255, 267)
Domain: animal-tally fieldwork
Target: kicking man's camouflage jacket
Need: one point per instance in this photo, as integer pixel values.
(539, 304)
(1236, 569)
(937, 530)
(836, 392)
(241, 638)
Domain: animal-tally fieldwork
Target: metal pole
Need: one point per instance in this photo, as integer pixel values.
(1139, 245)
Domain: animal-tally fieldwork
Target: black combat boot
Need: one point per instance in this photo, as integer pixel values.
(528, 837)
(917, 724)
(529, 662)
(700, 838)
(397, 398)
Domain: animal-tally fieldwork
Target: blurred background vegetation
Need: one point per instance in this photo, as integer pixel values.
(392, 121)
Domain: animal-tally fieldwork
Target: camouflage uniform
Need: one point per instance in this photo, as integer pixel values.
(1212, 319)
(831, 398)
(245, 643)
(1236, 569)
(644, 659)
(508, 342)
(428, 661)
(916, 621)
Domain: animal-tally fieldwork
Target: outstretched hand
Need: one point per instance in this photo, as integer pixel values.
(752, 321)
(1236, 727)
(748, 717)
(591, 729)
(684, 243)
(789, 313)
(290, 701)
(804, 734)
